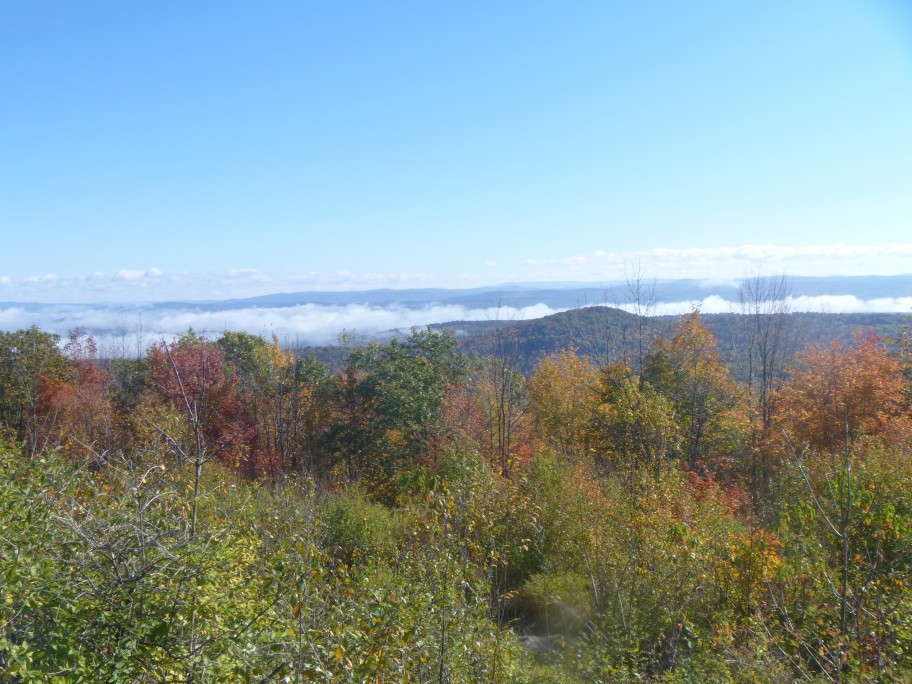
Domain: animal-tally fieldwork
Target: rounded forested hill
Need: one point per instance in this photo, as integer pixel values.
(599, 332)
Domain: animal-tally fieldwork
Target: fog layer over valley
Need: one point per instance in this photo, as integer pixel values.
(305, 323)
(319, 317)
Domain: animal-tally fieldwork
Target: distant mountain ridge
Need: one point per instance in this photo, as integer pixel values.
(575, 295)
(562, 295)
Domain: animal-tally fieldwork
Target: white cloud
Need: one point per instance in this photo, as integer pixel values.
(317, 324)
(852, 304)
(711, 265)
(308, 323)
(709, 305)
(834, 304)
(15, 318)
(128, 274)
(133, 274)
(729, 262)
(46, 278)
(250, 273)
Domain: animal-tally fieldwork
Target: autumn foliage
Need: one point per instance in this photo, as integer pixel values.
(190, 374)
(837, 395)
(231, 510)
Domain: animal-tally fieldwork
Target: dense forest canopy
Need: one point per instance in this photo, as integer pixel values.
(231, 510)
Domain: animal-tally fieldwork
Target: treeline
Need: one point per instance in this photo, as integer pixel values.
(230, 510)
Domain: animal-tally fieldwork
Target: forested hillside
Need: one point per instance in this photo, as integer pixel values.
(630, 509)
(606, 333)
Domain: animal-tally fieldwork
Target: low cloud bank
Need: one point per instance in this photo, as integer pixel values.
(303, 324)
(834, 304)
(134, 328)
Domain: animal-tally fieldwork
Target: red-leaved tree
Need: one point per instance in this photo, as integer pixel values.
(190, 373)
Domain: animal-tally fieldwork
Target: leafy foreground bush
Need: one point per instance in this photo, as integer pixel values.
(124, 574)
(105, 579)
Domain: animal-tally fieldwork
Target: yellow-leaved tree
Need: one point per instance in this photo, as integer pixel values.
(561, 399)
(690, 372)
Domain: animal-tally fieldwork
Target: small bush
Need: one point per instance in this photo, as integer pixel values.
(357, 529)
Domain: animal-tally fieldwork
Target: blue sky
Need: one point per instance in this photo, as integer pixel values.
(156, 150)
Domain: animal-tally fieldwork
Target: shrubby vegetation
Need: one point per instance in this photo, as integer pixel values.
(229, 510)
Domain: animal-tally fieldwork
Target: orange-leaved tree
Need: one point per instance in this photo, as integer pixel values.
(84, 420)
(839, 393)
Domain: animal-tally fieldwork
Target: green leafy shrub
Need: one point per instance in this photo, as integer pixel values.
(356, 529)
